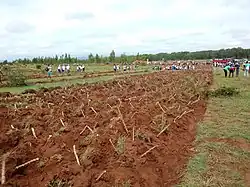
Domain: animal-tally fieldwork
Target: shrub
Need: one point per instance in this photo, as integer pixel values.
(224, 91)
(29, 91)
(38, 66)
(16, 78)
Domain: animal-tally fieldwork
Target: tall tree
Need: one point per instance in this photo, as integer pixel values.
(112, 56)
(123, 58)
(97, 58)
(138, 56)
(91, 58)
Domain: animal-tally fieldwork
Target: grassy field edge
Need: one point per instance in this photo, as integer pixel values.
(222, 153)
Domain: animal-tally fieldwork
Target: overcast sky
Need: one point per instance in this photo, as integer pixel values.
(48, 27)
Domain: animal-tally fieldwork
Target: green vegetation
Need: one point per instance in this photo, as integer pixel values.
(16, 78)
(223, 91)
(65, 83)
(123, 58)
(120, 146)
(59, 183)
(223, 139)
(62, 82)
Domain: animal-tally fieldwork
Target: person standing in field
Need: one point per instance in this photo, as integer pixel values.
(63, 68)
(78, 68)
(59, 69)
(231, 70)
(49, 71)
(237, 68)
(246, 69)
(83, 68)
(226, 69)
(68, 68)
(124, 67)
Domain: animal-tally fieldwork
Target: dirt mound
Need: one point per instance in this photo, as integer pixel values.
(135, 131)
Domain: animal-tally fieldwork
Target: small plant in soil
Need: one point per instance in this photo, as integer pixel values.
(41, 164)
(124, 184)
(120, 146)
(142, 137)
(59, 183)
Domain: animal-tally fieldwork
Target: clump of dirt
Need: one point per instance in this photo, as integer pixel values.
(5, 94)
(29, 91)
(137, 131)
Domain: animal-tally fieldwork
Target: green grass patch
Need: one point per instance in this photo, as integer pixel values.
(68, 82)
(221, 163)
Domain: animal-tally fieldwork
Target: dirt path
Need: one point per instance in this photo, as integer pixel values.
(124, 142)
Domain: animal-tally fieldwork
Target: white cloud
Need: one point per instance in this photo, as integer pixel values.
(44, 27)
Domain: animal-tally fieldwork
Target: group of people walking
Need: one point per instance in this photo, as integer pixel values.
(230, 68)
(117, 67)
(63, 68)
(80, 68)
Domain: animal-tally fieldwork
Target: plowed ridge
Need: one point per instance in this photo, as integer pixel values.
(136, 130)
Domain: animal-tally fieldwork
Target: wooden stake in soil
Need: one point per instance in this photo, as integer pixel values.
(133, 115)
(101, 175)
(196, 100)
(13, 127)
(124, 124)
(163, 130)
(85, 129)
(148, 151)
(62, 122)
(161, 107)
(26, 163)
(93, 110)
(185, 112)
(109, 106)
(112, 144)
(83, 114)
(131, 105)
(33, 132)
(3, 170)
(133, 134)
(77, 159)
(121, 117)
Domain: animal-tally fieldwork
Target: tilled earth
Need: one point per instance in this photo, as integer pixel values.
(134, 131)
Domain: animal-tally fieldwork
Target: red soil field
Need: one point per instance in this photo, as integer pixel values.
(134, 131)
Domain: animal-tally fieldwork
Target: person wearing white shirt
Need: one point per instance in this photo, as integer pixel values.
(68, 68)
(59, 69)
(63, 68)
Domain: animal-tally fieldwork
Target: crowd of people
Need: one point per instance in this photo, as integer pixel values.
(179, 66)
(125, 67)
(64, 68)
(234, 67)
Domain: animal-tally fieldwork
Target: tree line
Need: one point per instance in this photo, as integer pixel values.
(123, 58)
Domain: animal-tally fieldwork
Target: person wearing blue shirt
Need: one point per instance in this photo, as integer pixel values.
(246, 69)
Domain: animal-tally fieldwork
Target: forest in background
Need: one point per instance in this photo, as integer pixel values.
(123, 58)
